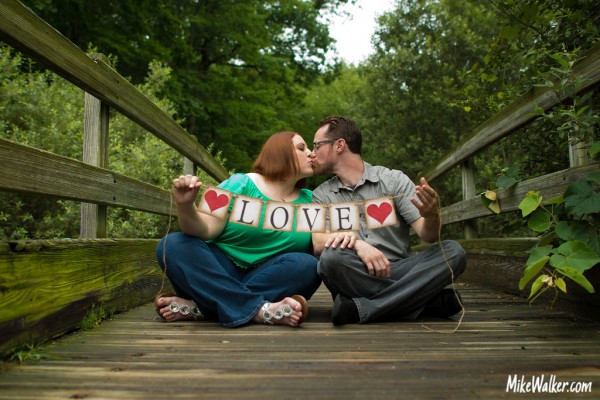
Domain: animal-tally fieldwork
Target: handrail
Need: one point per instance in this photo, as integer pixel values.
(66, 178)
(25, 31)
(516, 115)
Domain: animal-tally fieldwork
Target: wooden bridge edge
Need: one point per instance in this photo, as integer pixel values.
(498, 264)
(48, 287)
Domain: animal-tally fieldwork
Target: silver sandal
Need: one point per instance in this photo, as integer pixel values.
(278, 314)
(186, 310)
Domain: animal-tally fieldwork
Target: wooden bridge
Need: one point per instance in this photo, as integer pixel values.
(47, 287)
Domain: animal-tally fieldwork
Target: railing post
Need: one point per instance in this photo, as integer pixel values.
(95, 152)
(469, 191)
(189, 168)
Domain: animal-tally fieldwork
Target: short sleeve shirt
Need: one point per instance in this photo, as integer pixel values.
(249, 246)
(377, 181)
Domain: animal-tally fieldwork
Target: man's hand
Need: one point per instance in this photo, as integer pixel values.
(428, 226)
(375, 261)
(427, 202)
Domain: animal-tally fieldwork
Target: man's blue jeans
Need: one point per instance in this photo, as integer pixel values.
(202, 272)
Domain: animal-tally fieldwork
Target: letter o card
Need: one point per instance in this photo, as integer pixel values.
(380, 212)
(344, 217)
(215, 202)
(246, 210)
(311, 218)
(279, 216)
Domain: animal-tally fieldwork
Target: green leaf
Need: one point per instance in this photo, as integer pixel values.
(537, 285)
(504, 182)
(556, 200)
(531, 201)
(574, 254)
(539, 221)
(593, 177)
(563, 62)
(580, 198)
(560, 283)
(532, 270)
(594, 149)
(538, 252)
(563, 230)
(577, 277)
(584, 231)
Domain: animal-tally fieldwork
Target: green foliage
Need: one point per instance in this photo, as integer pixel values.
(570, 229)
(44, 111)
(27, 353)
(95, 316)
(239, 67)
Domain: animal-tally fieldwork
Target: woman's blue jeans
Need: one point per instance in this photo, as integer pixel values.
(202, 272)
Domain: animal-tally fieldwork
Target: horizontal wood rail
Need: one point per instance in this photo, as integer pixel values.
(549, 186)
(25, 31)
(28, 170)
(516, 115)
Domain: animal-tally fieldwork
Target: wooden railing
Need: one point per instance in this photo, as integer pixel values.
(47, 287)
(499, 263)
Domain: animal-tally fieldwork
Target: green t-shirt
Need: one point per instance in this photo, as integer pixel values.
(248, 246)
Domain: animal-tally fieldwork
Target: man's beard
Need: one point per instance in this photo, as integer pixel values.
(323, 169)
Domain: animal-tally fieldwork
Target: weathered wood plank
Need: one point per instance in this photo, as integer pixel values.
(549, 186)
(25, 31)
(136, 356)
(93, 221)
(47, 287)
(29, 170)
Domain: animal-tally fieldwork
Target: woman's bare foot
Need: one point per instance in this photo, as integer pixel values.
(173, 308)
(289, 311)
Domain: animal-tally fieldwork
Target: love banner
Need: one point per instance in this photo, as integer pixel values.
(310, 217)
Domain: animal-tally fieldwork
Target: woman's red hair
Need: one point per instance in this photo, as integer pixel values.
(277, 160)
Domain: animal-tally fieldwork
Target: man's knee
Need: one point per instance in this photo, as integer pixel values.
(456, 256)
(330, 261)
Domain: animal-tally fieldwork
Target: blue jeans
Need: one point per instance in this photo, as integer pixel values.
(202, 272)
(414, 281)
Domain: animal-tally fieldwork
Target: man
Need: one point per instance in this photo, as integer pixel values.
(372, 274)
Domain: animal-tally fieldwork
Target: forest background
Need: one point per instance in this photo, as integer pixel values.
(233, 72)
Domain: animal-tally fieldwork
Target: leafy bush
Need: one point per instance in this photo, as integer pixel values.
(42, 110)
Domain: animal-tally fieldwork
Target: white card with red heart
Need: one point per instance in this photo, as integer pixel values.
(215, 202)
(380, 212)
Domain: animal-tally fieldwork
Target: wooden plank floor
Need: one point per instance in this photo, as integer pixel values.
(136, 356)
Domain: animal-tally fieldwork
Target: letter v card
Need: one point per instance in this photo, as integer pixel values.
(310, 218)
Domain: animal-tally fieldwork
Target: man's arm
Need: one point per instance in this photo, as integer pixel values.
(428, 225)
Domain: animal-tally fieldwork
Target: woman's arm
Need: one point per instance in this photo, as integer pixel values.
(191, 221)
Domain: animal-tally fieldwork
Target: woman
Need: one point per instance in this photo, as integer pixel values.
(237, 273)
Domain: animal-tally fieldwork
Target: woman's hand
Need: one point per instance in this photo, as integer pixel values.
(185, 189)
(343, 239)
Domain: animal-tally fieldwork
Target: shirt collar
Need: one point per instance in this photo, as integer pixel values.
(369, 174)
